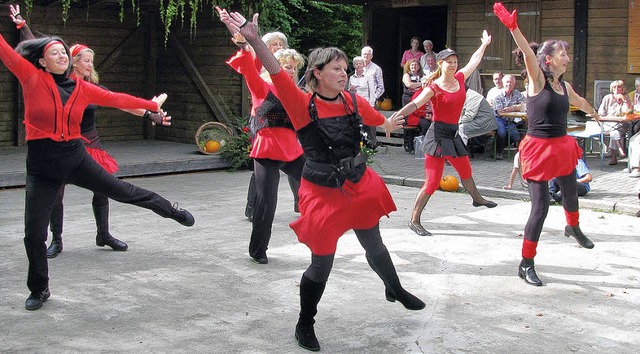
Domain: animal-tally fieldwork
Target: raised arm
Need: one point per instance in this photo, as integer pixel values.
(476, 57)
(510, 20)
(581, 103)
(21, 24)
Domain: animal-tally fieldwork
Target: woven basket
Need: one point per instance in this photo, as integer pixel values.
(211, 131)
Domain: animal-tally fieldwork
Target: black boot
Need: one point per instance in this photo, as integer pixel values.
(55, 246)
(182, 216)
(103, 238)
(310, 295)
(383, 266)
(578, 235)
(55, 224)
(527, 271)
(35, 300)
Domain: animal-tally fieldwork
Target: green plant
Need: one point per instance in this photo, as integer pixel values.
(368, 152)
(238, 145)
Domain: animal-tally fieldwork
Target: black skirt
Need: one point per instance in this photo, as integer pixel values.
(443, 140)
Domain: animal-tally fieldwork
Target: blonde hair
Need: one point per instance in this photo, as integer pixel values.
(283, 56)
(317, 60)
(407, 67)
(615, 84)
(93, 78)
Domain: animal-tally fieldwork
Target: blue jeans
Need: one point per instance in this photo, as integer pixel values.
(506, 126)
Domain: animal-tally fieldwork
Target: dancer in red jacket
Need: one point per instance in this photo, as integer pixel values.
(54, 107)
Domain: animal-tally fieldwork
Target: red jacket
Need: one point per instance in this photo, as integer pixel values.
(44, 115)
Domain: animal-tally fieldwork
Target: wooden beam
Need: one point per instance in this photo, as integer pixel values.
(134, 38)
(193, 72)
(581, 18)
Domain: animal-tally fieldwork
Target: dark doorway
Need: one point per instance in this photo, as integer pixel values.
(391, 33)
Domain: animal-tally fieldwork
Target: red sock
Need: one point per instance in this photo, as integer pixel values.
(572, 217)
(529, 248)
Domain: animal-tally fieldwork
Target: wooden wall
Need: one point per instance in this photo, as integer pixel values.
(134, 60)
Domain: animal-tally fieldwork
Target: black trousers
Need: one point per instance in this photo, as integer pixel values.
(267, 174)
(50, 165)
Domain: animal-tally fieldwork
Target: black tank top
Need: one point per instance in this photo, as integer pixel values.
(547, 113)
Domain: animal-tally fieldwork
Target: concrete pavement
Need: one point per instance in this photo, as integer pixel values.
(195, 289)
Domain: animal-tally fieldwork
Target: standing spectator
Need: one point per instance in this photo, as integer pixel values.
(509, 100)
(616, 104)
(583, 177)
(442, 141)
(361, 84)
(430, 65)
(428, 50)
(411, 79)
(372, 69)
(495, 91)
(412, 53)
(547, 151)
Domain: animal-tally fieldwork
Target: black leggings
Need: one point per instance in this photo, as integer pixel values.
(539, 193)
(267, 174)
(320, 266)
(50, 165)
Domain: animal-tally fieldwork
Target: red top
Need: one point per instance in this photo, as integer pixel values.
(296, 103)
(275, 143)
(447, 106)
(44, 115)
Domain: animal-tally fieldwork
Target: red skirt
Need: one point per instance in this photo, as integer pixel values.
(543, 159)
(327, 213)
(103, 159)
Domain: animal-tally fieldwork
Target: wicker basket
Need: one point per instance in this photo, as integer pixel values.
(211, 131)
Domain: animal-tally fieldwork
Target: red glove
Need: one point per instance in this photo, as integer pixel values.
(508, 19)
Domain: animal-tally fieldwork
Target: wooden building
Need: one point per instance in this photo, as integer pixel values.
(604, 38)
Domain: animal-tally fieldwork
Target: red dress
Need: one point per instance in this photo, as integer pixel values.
(327, 213)
(275, 143)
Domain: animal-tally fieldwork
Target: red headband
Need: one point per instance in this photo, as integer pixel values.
(77, 49)
(50, 44)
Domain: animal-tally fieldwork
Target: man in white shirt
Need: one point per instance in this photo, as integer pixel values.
(372, 69)
(430, 65)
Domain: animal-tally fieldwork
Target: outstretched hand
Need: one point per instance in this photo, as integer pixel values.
(236, 23)
(160, 100)
(394, 122)
(486, 38)
(15, 15)
(508, 19)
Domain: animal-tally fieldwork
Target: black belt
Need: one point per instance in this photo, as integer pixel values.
(347, 163)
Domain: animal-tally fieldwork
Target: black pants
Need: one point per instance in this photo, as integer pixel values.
(539, 193)
(50, 165)
(267, 174)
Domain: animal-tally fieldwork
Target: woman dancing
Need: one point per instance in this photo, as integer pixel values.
(445, 88)
(83, 69)
(338, 192)
(54, 105)
(275, 145)
(547, 151)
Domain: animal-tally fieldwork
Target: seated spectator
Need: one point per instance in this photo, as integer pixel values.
(509, 100)
(477, 117)
(615, 104)
(497, 89)
(634, 142)
(421, 117)
(411, 80)
(583, 177)
(412, 53)
(429, 64)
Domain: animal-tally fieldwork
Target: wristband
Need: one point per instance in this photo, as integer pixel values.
(21, 25)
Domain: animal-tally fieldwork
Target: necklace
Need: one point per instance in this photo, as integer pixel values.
(328, 98)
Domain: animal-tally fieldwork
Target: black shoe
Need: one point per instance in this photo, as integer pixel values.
(408, 300)
(34, 301)
(487, 203)
(261, 259)
(306, 337)
(578, 235)
(182, 216)
(54, 248)
(418, 229)
(528, 273)
(108, 240)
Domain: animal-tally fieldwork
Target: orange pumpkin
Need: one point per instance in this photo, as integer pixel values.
(449, 183)
(386, 104)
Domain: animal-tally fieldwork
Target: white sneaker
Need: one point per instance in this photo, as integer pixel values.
(635, 173)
